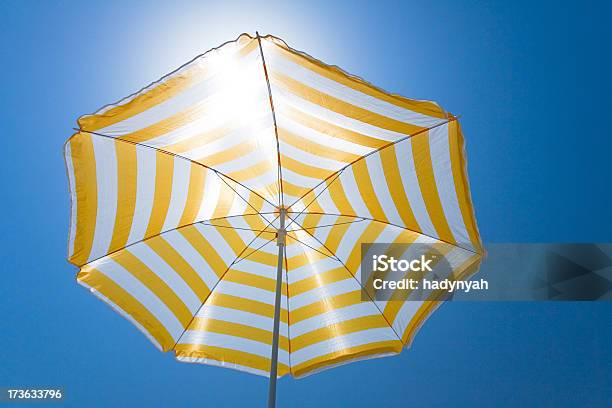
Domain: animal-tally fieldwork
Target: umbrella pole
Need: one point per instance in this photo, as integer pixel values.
(277, 308)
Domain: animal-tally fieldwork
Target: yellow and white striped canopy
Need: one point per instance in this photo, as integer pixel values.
(176, 192)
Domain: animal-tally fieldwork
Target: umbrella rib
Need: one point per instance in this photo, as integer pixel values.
(278, 156)
(237, 228)
(393, 225)
(329, 225)
(373, 152)
(217, 283)
(241, 258)
(357, 280)
(203, 222)
(217, 172)
(311, 247)
(314, 199)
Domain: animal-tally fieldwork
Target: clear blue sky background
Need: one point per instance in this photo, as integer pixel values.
(532, 81)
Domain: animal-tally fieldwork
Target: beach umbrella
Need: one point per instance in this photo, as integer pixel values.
(222, 209)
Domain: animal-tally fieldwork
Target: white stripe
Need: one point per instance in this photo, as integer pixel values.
(210, 195)
(190, 97)
(341, 343)
(314, 268)
(145, 191)
(122, 312)
(440, 158)
(238, 316)
(248, 292)
(349, 184)
(141, 293)
(405, 162)
(333, 317)
(312, 159)
(319, 112)
(350, 237)
(234, 343)
(300, 180)
(106, 180)
(192, 256)
(222, 248)
(255, 268)
(318, 137)
(166, 273)
(237, 136)
(224, 364)
(345, 93)
(381, 189)
(178, 199)
(319, 294)
(73, 199)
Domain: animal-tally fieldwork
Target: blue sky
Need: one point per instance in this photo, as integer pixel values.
(531, 81)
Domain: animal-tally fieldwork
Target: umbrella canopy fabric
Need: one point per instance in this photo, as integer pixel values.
(176, 193)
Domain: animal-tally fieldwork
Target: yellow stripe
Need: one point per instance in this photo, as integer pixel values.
(253, 171)
(120, 297)
(344, 108)
(171, 123)
(127, 170)
(322, 126)
(304, 169)
(197, 180)
(294, 190)
(164, 168)
(318, 280)
(305, 258)
(163, 90)
(224, 156)
(228, 356)
(366, 190)
(388, 158)
(337, 75)
(311, 220)
(429, 190)
(196, 141)
(459, 169)
(205, 249)
(224, 201)
(256, 281)
(260, 256)
(335, 236)
(174, 259)
(85, 183)
(231, 236)
(237, 330)
(370, 234)
(347, 354)
(336, 192)
(245, 305)
(336, 330)
(315, 148)
(312, 207)
(155, 284)
(324, 305)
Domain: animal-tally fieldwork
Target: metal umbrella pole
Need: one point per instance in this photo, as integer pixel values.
(280, 242)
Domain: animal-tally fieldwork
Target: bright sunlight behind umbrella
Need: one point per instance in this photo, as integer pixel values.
(222, 209)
